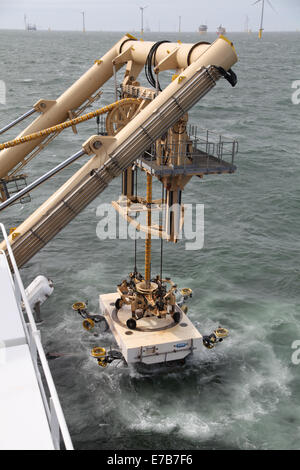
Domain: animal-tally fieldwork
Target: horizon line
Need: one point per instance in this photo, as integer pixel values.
(145, 32)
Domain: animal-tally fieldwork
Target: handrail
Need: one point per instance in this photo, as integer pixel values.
(222, 147)
(54, 412)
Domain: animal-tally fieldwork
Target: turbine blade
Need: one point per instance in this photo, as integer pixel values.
(256, 2)
(271, 6)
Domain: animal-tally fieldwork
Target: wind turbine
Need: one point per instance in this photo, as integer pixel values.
(142, 19)
(262, 15)
(83, 22)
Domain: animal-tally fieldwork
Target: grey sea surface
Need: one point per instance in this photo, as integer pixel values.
(245, 394)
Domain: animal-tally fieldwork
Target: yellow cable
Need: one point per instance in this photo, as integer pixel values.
(148, 238)
(66, 124)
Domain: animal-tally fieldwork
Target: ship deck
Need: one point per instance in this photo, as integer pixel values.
(31, 417)
(24, 422)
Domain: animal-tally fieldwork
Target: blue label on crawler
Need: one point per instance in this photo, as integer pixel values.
(181, 345)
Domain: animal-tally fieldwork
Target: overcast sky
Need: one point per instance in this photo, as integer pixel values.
(124, 15)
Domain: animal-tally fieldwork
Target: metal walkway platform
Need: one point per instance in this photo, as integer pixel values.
(203, 153)
(200, 164)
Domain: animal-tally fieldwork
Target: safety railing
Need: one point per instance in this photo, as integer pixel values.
(200, 150)
(56, 420)
(214, 144)
(13, 186)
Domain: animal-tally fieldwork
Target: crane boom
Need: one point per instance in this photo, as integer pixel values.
(127, 50)
(113, 154)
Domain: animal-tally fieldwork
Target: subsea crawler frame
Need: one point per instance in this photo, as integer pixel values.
(150, 326)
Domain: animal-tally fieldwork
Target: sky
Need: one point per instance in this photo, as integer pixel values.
(160, 15)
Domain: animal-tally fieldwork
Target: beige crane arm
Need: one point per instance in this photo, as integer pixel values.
(114, 154)
(128, 51)
(57, 111)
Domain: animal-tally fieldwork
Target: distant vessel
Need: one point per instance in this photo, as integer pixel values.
(29, 26)
(202, 29)
(221, 30)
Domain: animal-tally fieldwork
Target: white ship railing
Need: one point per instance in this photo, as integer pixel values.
(54, 412)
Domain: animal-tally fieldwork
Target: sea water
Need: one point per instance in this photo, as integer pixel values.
(243, 394)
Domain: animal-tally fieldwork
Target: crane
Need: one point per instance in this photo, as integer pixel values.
(145, 130)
